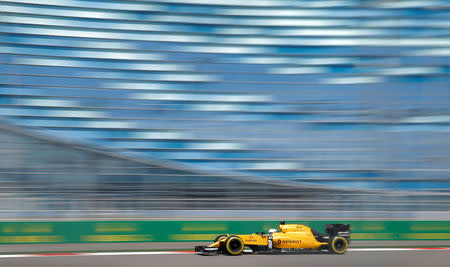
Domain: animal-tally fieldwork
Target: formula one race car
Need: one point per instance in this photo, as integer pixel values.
(290, 238)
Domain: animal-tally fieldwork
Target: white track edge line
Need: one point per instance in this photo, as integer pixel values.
(191, 252)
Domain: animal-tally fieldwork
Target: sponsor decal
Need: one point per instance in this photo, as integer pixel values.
(291, 241)
(32, 239)
(116, 238)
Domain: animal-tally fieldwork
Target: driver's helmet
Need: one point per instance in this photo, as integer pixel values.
(271, 231)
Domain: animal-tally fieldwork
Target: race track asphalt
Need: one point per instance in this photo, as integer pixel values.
(186, 246)
(433, 258)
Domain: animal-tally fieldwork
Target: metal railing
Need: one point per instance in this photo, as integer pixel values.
(42, 178)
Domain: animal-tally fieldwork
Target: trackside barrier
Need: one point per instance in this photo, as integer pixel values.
(189, 231)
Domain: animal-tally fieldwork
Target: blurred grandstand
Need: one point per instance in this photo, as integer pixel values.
(208, 108)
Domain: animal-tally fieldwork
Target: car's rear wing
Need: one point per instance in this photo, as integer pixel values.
(338, 229)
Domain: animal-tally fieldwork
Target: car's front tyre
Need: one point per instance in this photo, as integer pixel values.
(234, 245)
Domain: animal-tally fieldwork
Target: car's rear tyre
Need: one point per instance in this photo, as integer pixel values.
(234, 245)
(218, 238)
(337, 245)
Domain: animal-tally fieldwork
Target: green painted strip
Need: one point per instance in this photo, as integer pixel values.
(188, 231)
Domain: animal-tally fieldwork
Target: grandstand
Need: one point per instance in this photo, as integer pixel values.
(336, 96)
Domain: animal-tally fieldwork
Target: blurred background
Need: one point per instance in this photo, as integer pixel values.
(201, 109)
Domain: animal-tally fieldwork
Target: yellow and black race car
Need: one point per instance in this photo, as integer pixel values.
(289, 238)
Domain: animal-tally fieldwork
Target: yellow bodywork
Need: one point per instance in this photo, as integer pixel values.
(295, 236)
